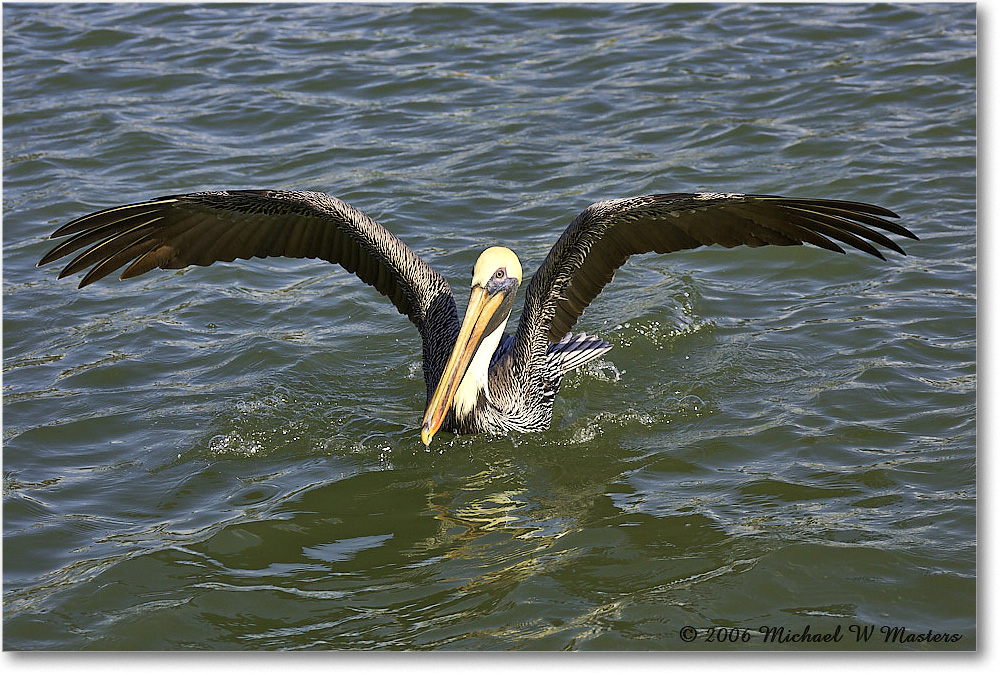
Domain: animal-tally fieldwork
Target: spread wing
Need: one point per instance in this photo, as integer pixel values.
(205, 227)
(602, 238)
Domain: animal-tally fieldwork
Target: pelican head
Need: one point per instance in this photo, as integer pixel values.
(495, 279)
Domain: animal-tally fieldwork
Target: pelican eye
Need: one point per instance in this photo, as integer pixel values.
(500, 274)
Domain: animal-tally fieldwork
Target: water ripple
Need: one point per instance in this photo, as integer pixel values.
(227, 457)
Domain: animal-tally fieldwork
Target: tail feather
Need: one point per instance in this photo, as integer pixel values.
(575, 350)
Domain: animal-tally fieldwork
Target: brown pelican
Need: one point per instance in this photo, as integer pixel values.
(479, 379)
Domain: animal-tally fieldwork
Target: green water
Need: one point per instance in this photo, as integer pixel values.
(228, 457)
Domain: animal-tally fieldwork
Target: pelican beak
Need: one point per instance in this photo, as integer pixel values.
(482, 317)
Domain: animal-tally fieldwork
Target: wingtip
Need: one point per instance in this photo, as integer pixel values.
(47, 258)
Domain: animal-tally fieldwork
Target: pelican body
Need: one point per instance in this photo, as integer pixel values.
(479, 378)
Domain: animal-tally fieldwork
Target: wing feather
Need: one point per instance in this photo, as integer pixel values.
(104, 249)
(602, 238)
(89, 237)
(206, 227)
(116, 260)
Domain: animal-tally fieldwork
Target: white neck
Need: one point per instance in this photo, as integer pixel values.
(477, 376)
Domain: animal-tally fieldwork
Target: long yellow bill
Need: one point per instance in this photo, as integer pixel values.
(481, 309)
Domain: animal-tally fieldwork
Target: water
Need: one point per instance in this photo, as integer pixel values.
(228, 457)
